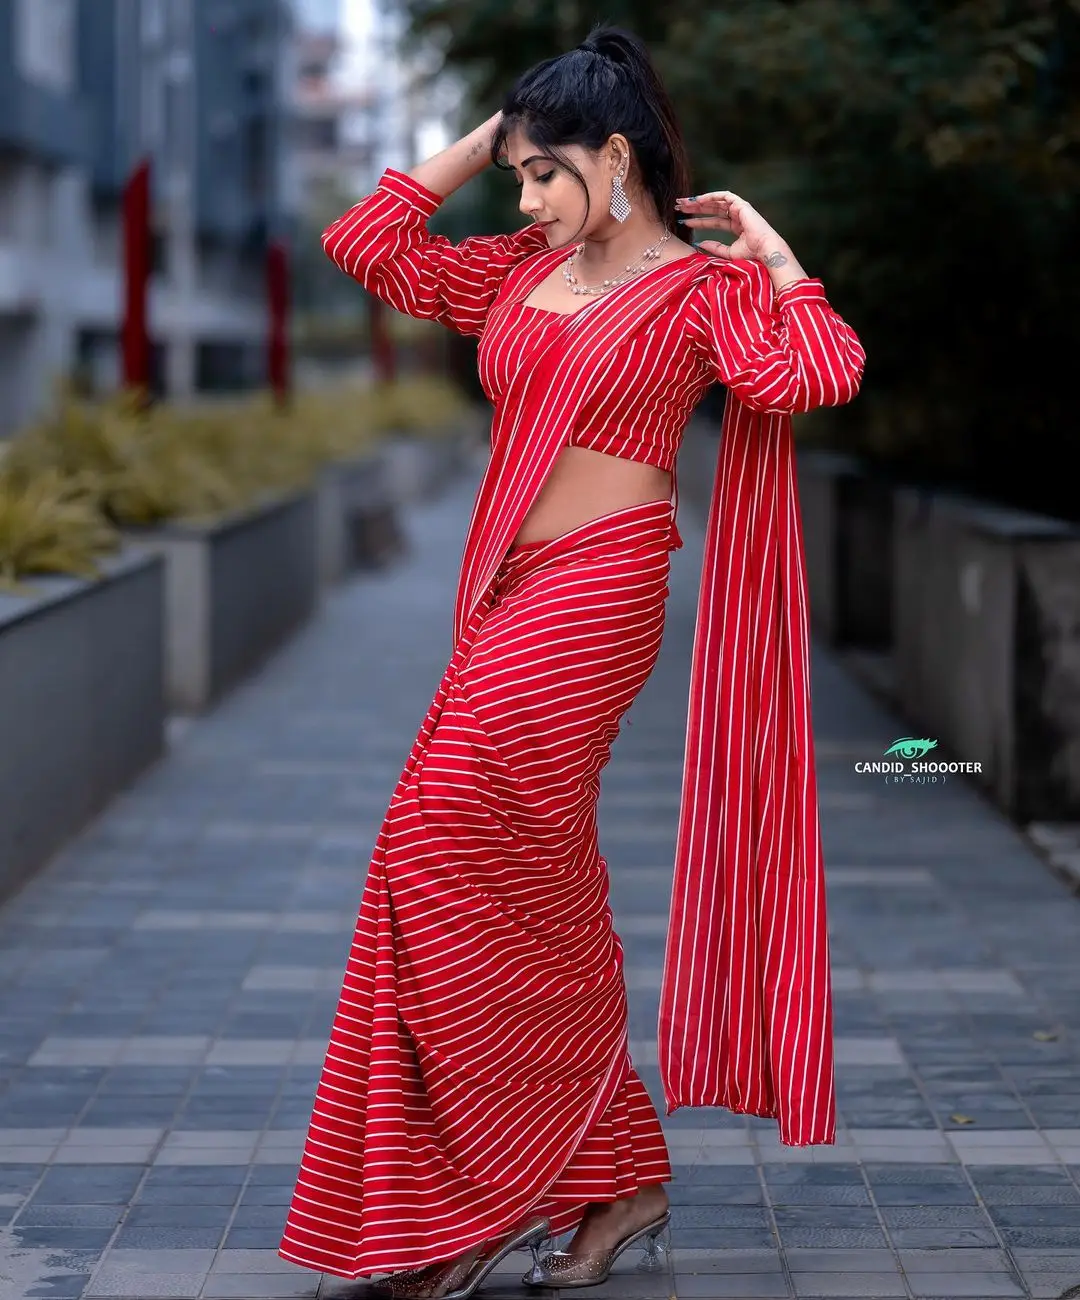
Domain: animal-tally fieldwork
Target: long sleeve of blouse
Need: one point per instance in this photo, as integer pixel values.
(384, 243)
(783, 352)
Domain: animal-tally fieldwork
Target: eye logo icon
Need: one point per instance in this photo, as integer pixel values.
(907, 747)
(904, 764)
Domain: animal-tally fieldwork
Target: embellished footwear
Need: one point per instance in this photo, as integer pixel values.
(458, 1279)
(404, 1282)
(560, 1269)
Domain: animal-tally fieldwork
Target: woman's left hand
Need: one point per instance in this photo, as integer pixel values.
(723, 210)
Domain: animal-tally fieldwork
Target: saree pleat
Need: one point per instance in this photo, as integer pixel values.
(478, 1066)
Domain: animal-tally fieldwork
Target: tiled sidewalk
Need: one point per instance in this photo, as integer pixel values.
(167, 988)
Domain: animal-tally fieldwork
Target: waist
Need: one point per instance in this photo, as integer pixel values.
(583, 484)
(648, 526)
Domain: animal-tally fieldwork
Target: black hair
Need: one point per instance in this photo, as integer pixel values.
(607, 84)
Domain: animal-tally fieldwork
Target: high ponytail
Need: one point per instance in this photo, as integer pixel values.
(606, 85)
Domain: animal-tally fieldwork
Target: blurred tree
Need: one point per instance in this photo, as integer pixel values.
(922, 157)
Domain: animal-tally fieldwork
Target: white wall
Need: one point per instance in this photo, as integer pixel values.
(45, 42)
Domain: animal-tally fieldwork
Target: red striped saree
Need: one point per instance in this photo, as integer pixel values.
(478, 1067)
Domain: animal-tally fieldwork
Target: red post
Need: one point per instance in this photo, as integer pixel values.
(135, 335)
(277, 297)
(383, 352)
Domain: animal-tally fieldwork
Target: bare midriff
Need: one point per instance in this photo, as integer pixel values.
(584, 484)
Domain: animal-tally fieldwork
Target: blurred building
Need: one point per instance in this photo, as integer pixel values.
(323, 16)
(87, 88)
(335, 122)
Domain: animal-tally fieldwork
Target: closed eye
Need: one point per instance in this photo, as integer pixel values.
(542, 179)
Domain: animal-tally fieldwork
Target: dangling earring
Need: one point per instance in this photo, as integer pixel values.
(620, 204)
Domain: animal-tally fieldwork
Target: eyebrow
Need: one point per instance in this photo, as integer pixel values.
(536, 157)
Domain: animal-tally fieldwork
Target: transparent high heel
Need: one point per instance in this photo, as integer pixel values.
(458, 1280)
(559, 1269)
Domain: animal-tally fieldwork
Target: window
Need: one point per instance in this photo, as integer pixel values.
(152, 13)
(153, 106)
(256, 141)
(9, 185)
(44, 42)
(318, 133)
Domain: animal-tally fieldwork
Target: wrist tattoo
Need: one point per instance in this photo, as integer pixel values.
(478, 148)
(773, 260)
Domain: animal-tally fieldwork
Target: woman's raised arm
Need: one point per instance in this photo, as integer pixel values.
(776, 350)
(383, 241)
(766, 327)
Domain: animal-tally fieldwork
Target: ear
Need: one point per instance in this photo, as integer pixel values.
(618, 153)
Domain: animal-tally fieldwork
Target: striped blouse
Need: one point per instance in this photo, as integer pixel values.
(777, 351)
(745, 1017)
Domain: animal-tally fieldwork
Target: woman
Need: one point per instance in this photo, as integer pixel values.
(478, 1094)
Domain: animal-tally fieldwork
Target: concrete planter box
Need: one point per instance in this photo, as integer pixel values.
(847, 533)
(82, 703)
(697, 464)
(417, 467)
(847, 529)
(235, 587)
(987, 646)
(357, 518)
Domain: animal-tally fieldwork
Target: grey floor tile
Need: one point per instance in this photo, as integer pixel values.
(833, 1238)
(732, 1286)
(862, 1285)
(977, 1285)
(124, 1285)
(60, 1286)
(945, 1238)
(176, 1236)
(263, 1286)
(70, 1216)
(840, 1260)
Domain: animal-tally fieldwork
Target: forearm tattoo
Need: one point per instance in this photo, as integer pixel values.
(773, 260)
(478, 148)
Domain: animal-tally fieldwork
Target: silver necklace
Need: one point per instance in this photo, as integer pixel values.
(632, 269)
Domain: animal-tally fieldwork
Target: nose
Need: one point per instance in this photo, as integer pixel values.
(528, 207)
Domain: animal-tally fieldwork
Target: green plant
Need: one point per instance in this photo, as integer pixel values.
(49, 525)
(423, 404)
(88, 468)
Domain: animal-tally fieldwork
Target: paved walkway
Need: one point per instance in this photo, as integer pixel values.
(167, 988)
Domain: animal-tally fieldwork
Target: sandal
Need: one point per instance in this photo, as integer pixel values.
(560, 1269)
(459, 1279)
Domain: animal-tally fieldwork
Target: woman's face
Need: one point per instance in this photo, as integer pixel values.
(552, 198)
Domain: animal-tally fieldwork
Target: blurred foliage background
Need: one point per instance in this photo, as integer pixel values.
(88, 469)
(921, 156)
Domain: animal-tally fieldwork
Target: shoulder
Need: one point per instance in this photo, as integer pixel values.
(527, 242)
(527, 269)
(738, 273)
(734, 288)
